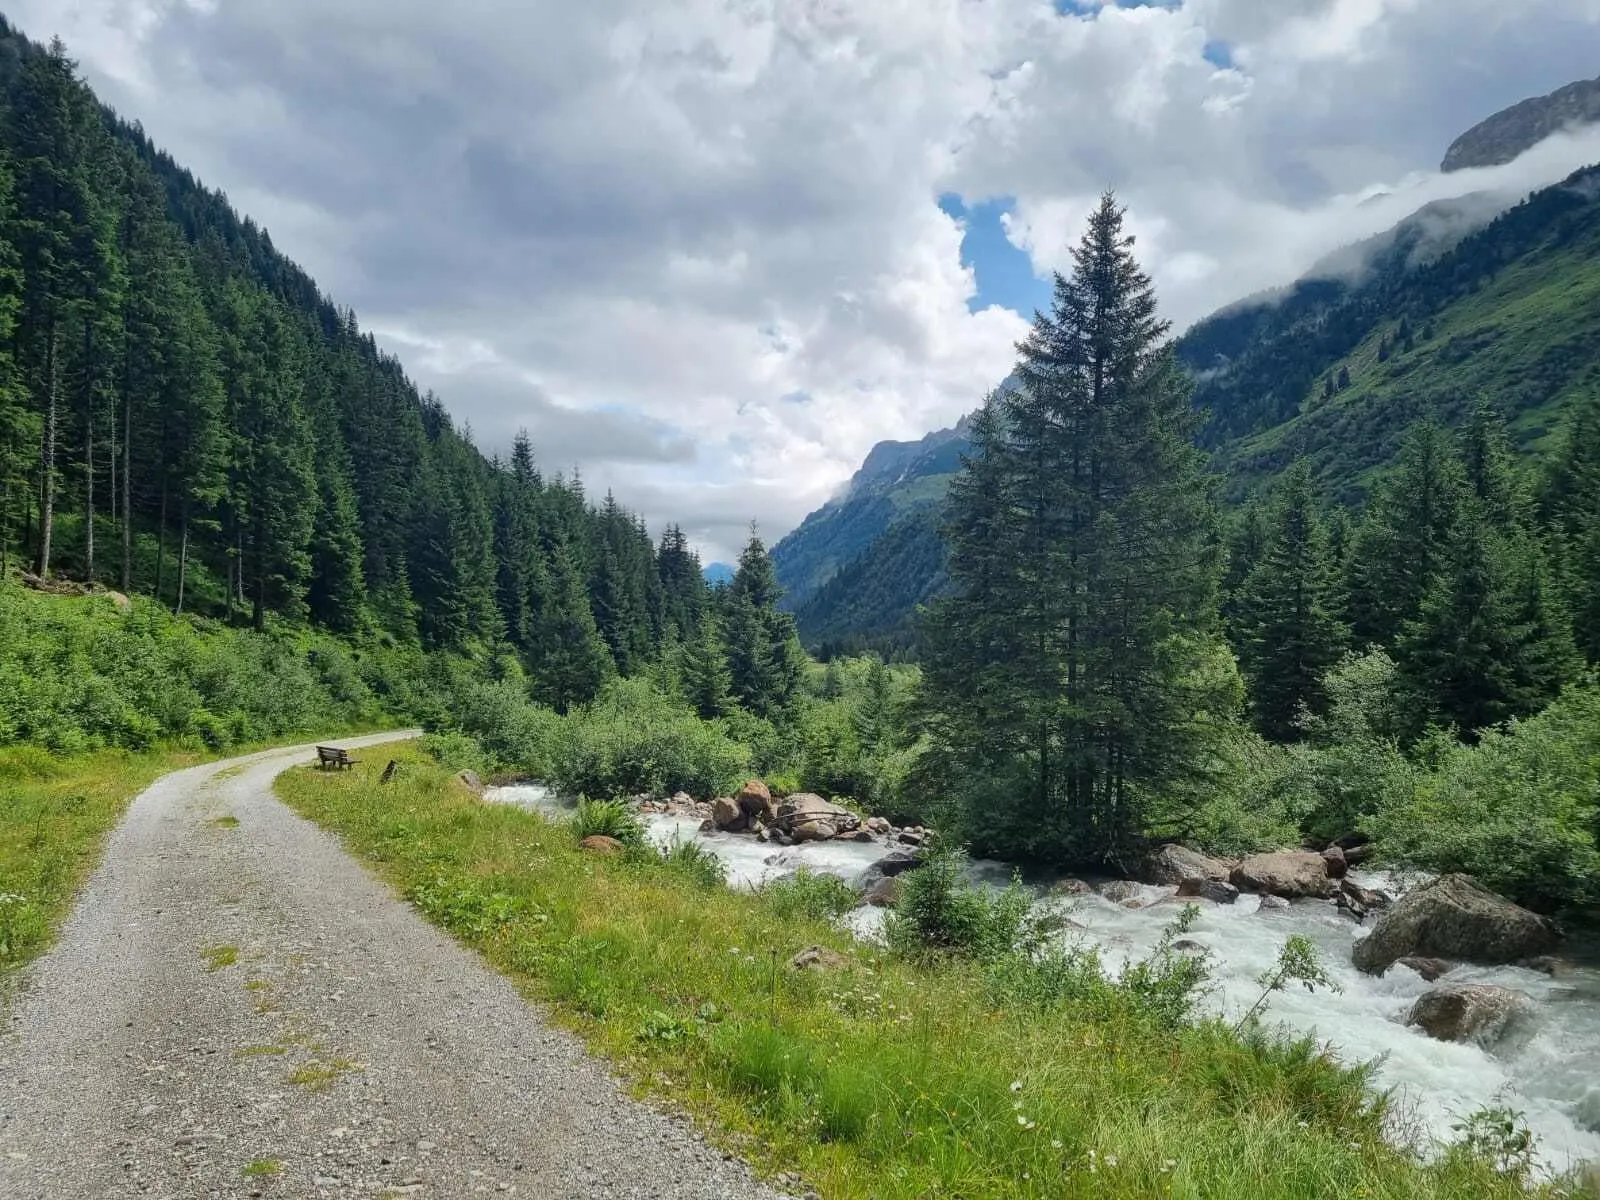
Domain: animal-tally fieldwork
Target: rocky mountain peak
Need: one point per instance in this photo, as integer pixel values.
(1509, 132)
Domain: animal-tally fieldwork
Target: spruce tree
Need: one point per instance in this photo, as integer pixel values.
(50, 126)
(1098, 583)
(703, 671)
(18, 424)
(1291, 636)
(764, 655)
(1404, 540)
(570, 662)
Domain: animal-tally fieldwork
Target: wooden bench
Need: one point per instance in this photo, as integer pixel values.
(334, 756)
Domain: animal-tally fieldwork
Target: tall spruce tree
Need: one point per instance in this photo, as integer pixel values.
(18, 425)
(570, 659)
(1099, 579)
(1571, 505)
(1291, 636)
(764, 655)
(50, 125)
(1405, 538)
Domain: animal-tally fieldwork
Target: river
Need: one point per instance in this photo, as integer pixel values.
(1552, 1076)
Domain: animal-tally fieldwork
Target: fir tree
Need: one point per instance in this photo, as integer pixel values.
(1098, 581)
(1291, 636)
(703, 671)
(570, 661)
(1404, 539)
(764, 655)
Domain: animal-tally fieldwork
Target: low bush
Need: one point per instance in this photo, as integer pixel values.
(1520, 811)
(940, 913)
(810, 896)
(607, 818)
(635, 740)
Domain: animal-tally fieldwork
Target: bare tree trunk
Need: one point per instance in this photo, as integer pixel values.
(88, 451)
(161, 540)
(127, 486)
(47, 455)
(183, 554)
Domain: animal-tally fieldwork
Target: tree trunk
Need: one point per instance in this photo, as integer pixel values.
(47, 454)
(183, 555)
(161, 539)
(127, 488)
(88, 451)
(258, 616)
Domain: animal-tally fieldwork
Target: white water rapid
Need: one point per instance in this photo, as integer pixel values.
(1553, 1077)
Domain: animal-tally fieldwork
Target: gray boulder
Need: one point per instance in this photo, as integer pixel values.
(1472, 1012)
(1455, 917)
(1213, 890)
(1175, 864)
(896, 862)
(806, 808)
(727, 815)
(1291, 874)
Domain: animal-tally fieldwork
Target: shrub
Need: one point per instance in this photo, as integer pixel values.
(607, 818)
(808, 895)
(695, 863)
(635, 740)
(454, 750)
(939, 913)
(513, 732)
(1518, 811)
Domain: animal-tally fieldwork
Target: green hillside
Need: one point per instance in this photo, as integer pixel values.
(1330, 369)
(1508, 315)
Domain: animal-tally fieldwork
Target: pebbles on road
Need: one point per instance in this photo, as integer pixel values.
(241, 1010)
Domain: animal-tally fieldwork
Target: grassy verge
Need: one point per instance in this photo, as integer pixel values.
(55, 815)
(877, 1078)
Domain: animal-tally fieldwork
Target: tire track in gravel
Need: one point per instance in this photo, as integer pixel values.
(242, 1010)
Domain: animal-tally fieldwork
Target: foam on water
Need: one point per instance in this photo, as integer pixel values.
(1554, 1077)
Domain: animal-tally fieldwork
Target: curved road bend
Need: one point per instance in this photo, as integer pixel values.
(244, 1011)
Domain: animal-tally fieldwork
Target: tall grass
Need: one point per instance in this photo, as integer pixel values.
(883, 1077)
(54, 816)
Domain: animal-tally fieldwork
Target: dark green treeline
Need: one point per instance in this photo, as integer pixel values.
(182, 413)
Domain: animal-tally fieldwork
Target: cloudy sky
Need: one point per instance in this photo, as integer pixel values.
(710, 251)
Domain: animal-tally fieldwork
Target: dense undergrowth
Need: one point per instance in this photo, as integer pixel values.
(891, 1075)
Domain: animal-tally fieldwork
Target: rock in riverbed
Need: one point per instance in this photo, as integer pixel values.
(1471, 1012)
(1175, 864)
(1455, 917)
(1291, 874)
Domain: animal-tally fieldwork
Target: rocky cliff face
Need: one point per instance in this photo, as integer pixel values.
(1508, 133)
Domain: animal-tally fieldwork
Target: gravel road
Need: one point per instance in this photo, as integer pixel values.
(244, 1011)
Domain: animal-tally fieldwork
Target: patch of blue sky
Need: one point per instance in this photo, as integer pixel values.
(1004, 273)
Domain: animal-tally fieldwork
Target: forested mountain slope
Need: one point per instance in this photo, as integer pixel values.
(184, 414)
(1421, 322)
(1336, 370)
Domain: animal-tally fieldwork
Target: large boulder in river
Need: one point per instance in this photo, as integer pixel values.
(755, 800)
(806, 808)
(1471, 1012)
(896, 862)
(813, 831)
(727, 815)
(1291, 874)
(1214, 890)
(1454, 917)
(1174, 864)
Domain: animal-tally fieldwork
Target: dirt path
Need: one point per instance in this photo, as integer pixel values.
(241, 1010)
